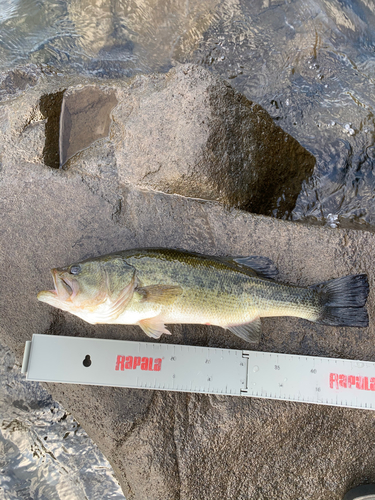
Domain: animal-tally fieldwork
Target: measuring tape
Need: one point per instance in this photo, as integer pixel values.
(144, 365)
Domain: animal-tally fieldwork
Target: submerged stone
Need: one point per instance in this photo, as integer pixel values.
(17, 80)
(85, 118)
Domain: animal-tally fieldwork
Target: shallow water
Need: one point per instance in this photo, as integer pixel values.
(44, 453)
(309, 63)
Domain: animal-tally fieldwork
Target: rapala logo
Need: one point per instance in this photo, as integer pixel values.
(337, 381)
(132, 362)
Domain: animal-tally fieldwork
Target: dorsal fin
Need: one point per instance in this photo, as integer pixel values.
(262, 266)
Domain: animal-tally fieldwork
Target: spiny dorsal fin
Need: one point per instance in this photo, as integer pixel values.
(159, 294)
(250, 332)
(263, 266)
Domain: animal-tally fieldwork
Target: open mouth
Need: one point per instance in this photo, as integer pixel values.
(62, 294)
(63, 288)
(66, 285)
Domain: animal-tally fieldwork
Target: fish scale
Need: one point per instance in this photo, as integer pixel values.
(233, 296)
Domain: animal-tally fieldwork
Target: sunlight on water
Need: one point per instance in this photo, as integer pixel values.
(309, 63)
(44, 453)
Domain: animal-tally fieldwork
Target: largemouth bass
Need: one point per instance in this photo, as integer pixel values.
(154, 287)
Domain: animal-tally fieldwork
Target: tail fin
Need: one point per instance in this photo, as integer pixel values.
(343, 301)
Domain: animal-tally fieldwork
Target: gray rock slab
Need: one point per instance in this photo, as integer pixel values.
(85, 118)
(186, 132)
(190, 133)
(166, 445)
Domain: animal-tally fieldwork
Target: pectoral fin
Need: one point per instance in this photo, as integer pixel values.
(159, 294)
(250, 332)
(153, 327)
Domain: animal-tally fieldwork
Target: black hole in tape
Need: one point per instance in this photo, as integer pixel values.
(87, 361)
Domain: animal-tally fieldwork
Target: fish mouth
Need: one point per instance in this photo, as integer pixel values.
(62, 285)
(63, 291)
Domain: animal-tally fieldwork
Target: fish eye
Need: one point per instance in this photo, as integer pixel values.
(75, 269)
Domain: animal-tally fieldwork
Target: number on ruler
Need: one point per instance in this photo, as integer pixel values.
(277, 367)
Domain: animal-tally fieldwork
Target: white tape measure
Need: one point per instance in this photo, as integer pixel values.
(144, 365)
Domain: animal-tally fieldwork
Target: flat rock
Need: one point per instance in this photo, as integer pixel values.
(186, 132)
(190, 133)
(167, 445)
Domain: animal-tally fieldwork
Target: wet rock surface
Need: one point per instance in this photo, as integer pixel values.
(39, 439)
(190, 133)
(14, 81)
(166, 445)
(85, 118)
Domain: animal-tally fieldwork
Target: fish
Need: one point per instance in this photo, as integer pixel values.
(152, 287)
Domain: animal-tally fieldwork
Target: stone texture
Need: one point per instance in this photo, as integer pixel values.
(84, 118)
(190, 133)
(186, 132)
(166, 445)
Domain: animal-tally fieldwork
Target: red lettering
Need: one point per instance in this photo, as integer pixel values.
(343, 381)
(120, 363)
(351, 381)
(129, 362)
(365, 384)
(157, 365)
(146, 364)
(333, 380)
(137, 362)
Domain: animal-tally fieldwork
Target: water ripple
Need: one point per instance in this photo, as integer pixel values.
(44, 453)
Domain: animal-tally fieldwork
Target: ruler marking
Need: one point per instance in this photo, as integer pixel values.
(316, 380)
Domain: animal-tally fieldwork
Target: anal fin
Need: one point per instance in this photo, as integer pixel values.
(153, 327)
(250, 332)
